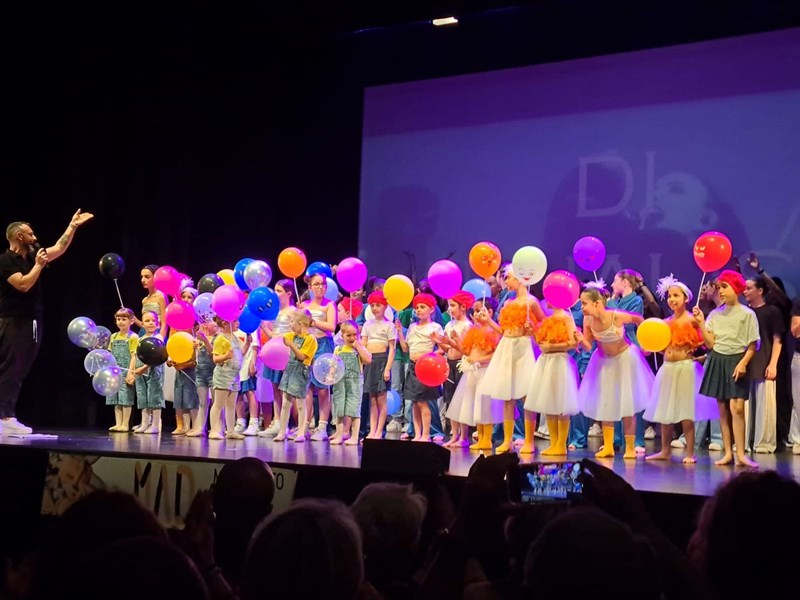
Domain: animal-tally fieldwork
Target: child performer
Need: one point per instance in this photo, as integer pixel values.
(185, 400)
(731, 335)
(418, 341)
(454, 331)
(675, 396)
(380, 339)
(227, 356)
(156, 301)
(477, 346)
(246, 403)
(618, 380)
(348, 390)
(508, 376)
(122, 345)
(284, 288)
(149, 382)
(297, 376)
(203, 374)
(554, 384)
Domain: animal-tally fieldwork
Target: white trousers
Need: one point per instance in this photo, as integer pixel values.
(761, 417)
(794, 428)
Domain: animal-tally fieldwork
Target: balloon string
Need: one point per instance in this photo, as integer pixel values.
(595, 276)
(702, 281)
(296, 293)
(655, 361)
(116, 285)
(350, 307)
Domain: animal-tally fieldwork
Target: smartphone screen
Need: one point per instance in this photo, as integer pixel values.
(543, 482)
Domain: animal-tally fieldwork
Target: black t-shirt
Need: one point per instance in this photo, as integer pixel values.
(14, 303)
(770, 324)
(796, 313)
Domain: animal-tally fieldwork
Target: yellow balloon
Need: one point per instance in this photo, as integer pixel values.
(398, 291)
(227, 276)
(180, 346)
(653, 334)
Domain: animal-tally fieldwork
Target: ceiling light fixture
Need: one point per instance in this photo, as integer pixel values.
(445, 21)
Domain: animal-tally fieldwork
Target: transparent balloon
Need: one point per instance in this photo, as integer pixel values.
(257, 274)
(98, 359)
(328, 369)
(82, 332)
(107, 381)
(103, 337)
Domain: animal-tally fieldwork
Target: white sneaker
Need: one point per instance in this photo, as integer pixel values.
(595, 431)
(394, 427)
(252, 428)
(650, 433)
(715, 446)
(273, 429)
(13, 427)
(677, 443)
(241, 425)
(796, 449)
(320, 435)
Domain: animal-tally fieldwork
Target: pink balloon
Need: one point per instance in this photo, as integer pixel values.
(275, 354)
(351, 274)
(167, 279)
(445, 278)
(180, 315)
(561, 289)
(589, 253)
(228, 302)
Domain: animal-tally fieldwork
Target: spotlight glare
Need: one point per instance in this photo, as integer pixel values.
(445, 21)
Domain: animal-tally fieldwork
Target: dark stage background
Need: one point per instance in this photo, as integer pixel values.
(202, 133)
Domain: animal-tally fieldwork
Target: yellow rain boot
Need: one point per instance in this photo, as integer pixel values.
(478, 445)
(488, 429)
(563, 436)
(508, 436)
(630, 447)
(555, 440)
(530, 429)
(608, 443)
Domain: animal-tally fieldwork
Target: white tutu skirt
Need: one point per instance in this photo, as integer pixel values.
(508, 376)
(470, 408)
(615, 386)
(676, 395)
(554, 385)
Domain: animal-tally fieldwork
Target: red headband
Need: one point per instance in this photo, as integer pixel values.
(463, 298)
(733, 279)
(377, 297)
(426, 299)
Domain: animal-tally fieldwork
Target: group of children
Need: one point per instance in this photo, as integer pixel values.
(520, 362)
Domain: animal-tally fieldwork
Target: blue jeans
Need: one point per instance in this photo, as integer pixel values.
(519, 425)
(398, 381)
(701, 430)
(619, 439)
(578, 431)
(436, 422)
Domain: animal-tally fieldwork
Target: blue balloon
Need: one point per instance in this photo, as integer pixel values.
(238, 273)
(332, 290)
(248, 322)
(320, 267)
(394, 403)
(478, 288)
(264, 303)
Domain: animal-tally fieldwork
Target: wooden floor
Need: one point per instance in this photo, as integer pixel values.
(670, 477)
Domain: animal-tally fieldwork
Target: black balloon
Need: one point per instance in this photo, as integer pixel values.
(112, 265)
(209, 282)
(152, 351)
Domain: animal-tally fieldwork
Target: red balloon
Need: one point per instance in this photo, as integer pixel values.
(431, 369)
(712, 251)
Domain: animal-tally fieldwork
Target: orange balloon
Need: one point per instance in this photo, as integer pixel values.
(485, 258)
(292, 262)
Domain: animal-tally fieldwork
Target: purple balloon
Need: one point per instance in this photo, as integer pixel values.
(228, 302)
(275, 354)
(445, 278)
(202, 307)
(589, 253)
(351, 274)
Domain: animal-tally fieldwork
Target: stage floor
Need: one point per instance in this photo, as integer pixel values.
(663, 477)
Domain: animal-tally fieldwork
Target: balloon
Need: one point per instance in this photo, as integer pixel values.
(98, 359)
(152, 351)
(388, 314)
(321, 268)
(107, 381)
(180, 315)
(228, 276)
(328, 369)
(264, 304)
(167, 279)
(180, 346)
(209, 282)
(394, 403)
(445, 278)
(103, 337)
(257, 274)
(653, 334)
(292, 262)
(529, 265)
(399, 291)
(485, 258)
(478, 288)
(332, 290)
(275, 354)
(82, 332)
(112, 265)
(228, 302)
(238, 273)
(589, 253)
(431, 369)
(561, 289)
(202, 307)
(712, 251)
(248, 322)
(351, 274)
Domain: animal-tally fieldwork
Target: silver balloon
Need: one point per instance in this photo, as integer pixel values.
(98, 359)
(103, 337)
(107, 381)
(328, 369)
(82, 332)
(257, 274)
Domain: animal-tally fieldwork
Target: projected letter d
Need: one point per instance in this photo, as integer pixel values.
(611, 181)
